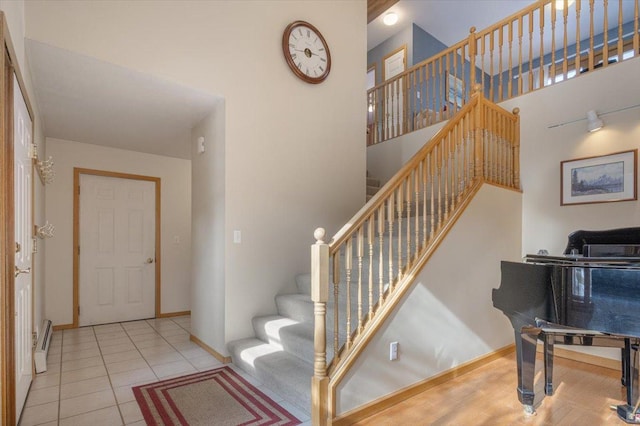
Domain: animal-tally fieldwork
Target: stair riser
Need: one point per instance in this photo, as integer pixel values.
(294, 308)
(303, 282)
(296, 340)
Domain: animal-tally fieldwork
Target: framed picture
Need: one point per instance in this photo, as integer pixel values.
(602, 179)
(455, 90)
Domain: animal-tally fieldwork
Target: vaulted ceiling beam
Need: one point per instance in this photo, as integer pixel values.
(376, 7)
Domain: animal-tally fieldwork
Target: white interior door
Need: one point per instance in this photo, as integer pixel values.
(394, 65)
(23, 174)
(117, 249)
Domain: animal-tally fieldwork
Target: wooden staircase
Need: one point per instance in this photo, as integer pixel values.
(380, 251)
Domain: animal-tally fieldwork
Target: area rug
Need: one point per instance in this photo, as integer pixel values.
(214, 397)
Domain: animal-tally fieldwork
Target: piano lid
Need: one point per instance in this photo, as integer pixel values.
(584, 261)
(621, 236)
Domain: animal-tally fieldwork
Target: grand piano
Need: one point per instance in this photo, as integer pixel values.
(589, 296)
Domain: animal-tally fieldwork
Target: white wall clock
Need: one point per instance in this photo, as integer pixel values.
(306, 52)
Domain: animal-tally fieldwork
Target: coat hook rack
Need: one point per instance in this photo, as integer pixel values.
(45, 231)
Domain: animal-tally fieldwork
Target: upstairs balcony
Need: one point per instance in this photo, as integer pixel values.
(540, 46)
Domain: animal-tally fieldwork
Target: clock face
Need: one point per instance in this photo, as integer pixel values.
(306, 52)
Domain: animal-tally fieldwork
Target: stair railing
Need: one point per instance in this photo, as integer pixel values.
(538, 46)
(359, 276)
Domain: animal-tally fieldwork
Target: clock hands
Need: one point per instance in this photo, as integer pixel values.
(308, 52)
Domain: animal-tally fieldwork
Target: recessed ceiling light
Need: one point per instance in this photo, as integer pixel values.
(390, 18)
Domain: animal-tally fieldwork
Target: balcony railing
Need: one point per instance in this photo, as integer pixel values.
(537, 47)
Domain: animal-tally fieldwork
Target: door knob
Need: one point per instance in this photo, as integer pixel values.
(149, 260)
(19, 271)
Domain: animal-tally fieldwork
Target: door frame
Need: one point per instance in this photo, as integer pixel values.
(77, 171)
(9, 66)
(402, 87)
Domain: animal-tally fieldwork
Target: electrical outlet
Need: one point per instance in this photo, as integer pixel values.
(393, 351)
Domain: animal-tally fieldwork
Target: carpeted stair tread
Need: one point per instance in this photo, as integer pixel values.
(285, 374)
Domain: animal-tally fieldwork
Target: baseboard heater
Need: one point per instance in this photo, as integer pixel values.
(42, 347)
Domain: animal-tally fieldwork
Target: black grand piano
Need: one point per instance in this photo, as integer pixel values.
(589, 296)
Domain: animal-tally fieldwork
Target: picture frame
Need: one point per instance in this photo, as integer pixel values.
(600, 179)
(455, 90)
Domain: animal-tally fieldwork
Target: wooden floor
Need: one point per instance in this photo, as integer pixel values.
(487, 396)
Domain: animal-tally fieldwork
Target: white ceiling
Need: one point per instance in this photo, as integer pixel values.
(86, 100)
(447, 20)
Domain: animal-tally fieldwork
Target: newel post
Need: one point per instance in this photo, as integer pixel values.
(473, 47)
(319, 296)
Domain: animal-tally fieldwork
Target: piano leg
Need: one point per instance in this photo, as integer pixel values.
(625, 357)
(548, 363)
(629, 411)
(632, 377)
(526, 373)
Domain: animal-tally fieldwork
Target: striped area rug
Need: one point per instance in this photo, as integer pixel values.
(214, 397)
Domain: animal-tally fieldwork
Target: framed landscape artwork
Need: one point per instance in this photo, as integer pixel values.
(601, 179)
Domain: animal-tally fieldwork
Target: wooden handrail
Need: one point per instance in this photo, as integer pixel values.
(372, 259)
(383, 193)
(529, 50)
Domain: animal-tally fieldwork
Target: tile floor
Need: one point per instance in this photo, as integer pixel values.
(91, 370)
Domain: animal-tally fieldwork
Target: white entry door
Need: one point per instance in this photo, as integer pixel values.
(23, 175)
(117, 249)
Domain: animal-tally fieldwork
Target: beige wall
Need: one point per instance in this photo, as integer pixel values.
(175, 210)
(14, 14)
(447, 317)
(545, 222)
(294, 152)
(208, 228)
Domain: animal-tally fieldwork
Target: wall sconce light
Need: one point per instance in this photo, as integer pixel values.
(45, 170)
(593, 121)
(390, 18)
